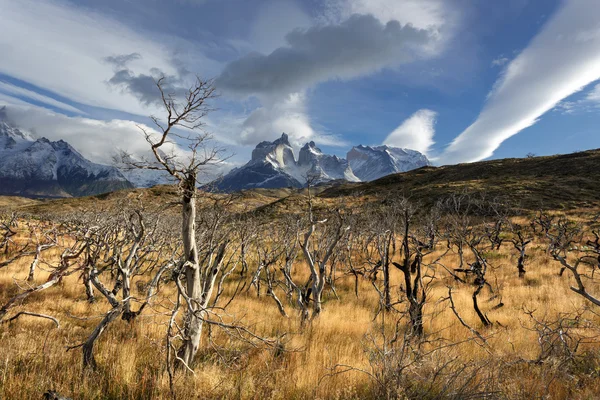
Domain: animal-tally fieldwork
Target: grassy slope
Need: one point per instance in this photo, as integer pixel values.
(563, 181)
(555, 182)
(131, 357)
(16, 202)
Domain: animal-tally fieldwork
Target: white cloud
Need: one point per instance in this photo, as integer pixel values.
(275, 19)
(416, 133)
(499, 61)
(61, 48)
(589, 103)
(269, 121)
(95, 139)
(422, 14)
(355, 38)
(594, 94)
(287, 115)
(357, 47)
(16, 91)
(563, 58)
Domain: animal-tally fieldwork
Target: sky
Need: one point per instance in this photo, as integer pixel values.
(458, 80)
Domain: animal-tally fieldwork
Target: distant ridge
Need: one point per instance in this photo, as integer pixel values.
(273, 165)
(41, 168)
(559, 181)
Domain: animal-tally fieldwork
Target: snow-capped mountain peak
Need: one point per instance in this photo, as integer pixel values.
(40, 167)
(370, 163)
(322, 167)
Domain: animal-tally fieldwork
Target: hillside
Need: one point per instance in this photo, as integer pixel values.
(560, 181)
(555, 182)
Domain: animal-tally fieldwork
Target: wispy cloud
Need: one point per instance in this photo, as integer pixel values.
(500, 61)
(415, 133)
(562, 59)
(62, 48)
(589, 103)
(22, 93)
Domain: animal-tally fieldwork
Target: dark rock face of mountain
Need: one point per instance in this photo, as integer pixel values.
(323, 167)
(273, 165)
(269, 168)
(42, 168)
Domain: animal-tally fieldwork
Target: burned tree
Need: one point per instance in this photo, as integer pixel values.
(569, 248)
(318, 245)
(45, 238)
(520, 239)
(464, 221)
(185, 112)
(380, 246)
(66, 265)
(415, 288)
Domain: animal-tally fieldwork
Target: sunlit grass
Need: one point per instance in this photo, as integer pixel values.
(131, 356)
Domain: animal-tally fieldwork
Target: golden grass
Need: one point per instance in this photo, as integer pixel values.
(131, 356)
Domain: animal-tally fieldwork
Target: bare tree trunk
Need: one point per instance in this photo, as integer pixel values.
(34, 263)
(193, 321)
(317, 289)
(460, 253)
(128, 315)
(89, 288)
(521, 263)
(484, 320)
(386, 275)
(88, 346)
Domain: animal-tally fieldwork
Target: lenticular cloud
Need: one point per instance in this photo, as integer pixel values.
(562, 59)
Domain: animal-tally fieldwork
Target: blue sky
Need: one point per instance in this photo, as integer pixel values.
(460, 80)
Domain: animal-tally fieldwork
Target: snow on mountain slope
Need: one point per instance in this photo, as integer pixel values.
(371, 163)
(273, 165)
(40, 167)
(323, 167)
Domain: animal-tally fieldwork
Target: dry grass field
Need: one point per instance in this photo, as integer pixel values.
(350, 351)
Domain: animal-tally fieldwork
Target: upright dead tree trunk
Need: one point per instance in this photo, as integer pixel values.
(43, 241)
(186, 111)
(318, 254)
(382, 224)
(386, 251)
(566, 247)
(520, 242)
(414, 288)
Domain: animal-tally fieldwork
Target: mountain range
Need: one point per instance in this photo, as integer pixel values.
(273, 165)
(37, 167)
(42, 168)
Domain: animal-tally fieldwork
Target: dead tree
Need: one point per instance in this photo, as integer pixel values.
(298, 294)
(186, 111)
(594, 248)
(12, 252)
(354, 245)
(213, 236)
(493, 232)
(567, 249)
(520, 239)
(414, 288)
(318, 251)
(382, 223)
(44, 239)
(126, 241)
(67, 265)
(464, 220)
(269, 252)
(8, 224)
